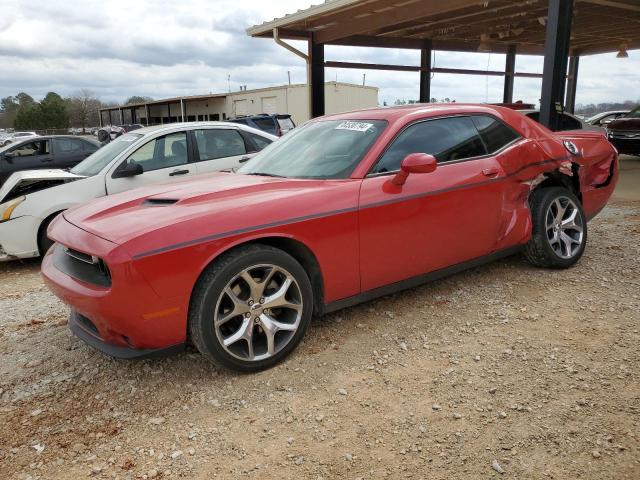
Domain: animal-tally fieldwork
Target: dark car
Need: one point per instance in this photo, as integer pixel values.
(276, 124)
(624, 133)
(59, 151)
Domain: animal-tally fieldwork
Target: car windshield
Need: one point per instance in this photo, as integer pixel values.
(322, 150)
(94, 163)
(635, 113)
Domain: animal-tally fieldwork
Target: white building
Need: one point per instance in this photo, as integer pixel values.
(291, 99)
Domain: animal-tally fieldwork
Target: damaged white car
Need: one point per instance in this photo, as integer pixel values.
(29, 200)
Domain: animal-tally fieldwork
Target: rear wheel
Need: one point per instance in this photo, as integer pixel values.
(559, 233)
(251, 308)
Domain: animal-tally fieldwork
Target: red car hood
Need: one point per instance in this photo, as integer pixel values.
(208, 205)
(625, 124)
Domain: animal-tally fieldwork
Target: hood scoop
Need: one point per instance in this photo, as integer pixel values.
(159, 202)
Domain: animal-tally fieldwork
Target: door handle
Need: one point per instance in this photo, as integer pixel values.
(244, 159)
(490, 172)
(178, 172)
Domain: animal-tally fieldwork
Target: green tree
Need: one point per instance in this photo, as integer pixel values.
(53, 112)
(27, 117)
(137, 99)
(9, 107)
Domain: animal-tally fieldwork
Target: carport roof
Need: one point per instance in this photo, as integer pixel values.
(599, 26)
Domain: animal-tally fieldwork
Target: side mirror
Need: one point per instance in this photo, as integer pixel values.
(129, 169)
(414, 163)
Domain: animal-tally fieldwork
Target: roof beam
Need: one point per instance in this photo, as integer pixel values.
(405, 13)
(613, 4)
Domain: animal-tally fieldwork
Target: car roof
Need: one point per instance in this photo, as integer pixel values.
(189, 126)
(422, 110)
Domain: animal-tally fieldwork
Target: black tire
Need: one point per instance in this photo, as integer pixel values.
(209, 291)
(539, 250)
(44, 242)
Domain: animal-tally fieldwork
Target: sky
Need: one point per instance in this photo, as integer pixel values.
(163, 49)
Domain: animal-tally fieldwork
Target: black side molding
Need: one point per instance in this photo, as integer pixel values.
(418, 280)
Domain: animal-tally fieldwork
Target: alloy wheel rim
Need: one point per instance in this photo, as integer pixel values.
(564, 227)
(258, 312)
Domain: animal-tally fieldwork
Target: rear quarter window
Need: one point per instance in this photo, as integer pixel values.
(495, 134)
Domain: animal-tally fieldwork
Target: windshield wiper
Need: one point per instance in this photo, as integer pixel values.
(262, 174)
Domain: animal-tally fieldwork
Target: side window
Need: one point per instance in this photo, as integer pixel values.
(494, 133)
(259, 141)
(219, 143)
(569, 123)
(447, 139)
(267, 124)
(67, 145)
(31, 149)
(163, 152)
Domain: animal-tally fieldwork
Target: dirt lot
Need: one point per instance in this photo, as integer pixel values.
(533, 371)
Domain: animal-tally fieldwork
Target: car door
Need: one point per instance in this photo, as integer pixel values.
(68, 152)
(219, 149)
(435, 220)
(162, 159)
(27, 156)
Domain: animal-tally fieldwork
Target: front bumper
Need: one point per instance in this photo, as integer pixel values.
(82, 328)
(19, 238)
(625, 145)
(127, 317)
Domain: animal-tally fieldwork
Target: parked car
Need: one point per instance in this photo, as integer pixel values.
(274, 124)
(604, 118)
(47, 152)
(344, 209)
(567, 121)
(30, 200)
(129, 127)
(624, 133)
(15, 136)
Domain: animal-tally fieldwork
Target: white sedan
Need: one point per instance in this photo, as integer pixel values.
(29, 200)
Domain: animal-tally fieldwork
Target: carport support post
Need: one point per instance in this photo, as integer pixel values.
(316, 63)
(509, 74)
(572, 83)
(100, 118)
(147, 113)
(425, 72)
(182, 109)
(121, 117)
(110, 121)
(556, 51)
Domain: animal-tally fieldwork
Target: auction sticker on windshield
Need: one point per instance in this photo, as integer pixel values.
(355, 126)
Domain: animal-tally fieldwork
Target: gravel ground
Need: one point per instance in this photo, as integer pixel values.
(502, 371)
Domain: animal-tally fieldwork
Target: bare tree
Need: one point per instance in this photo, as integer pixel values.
(84, 107)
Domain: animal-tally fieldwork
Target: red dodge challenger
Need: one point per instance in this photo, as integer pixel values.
(344, 209)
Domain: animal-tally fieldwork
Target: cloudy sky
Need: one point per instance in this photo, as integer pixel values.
(160, 49)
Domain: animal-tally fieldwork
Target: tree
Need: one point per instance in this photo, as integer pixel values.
(50, 113)
(138, 99)
(9, 107)
(53, 112)
(84, 109)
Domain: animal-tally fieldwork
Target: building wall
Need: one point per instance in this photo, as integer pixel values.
(291, 99)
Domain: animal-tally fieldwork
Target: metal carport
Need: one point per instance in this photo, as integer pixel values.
(561, 30)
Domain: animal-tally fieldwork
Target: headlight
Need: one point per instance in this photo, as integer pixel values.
(7, 208)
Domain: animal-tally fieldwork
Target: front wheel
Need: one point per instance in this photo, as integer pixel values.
(559, 233)
(250, 308)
